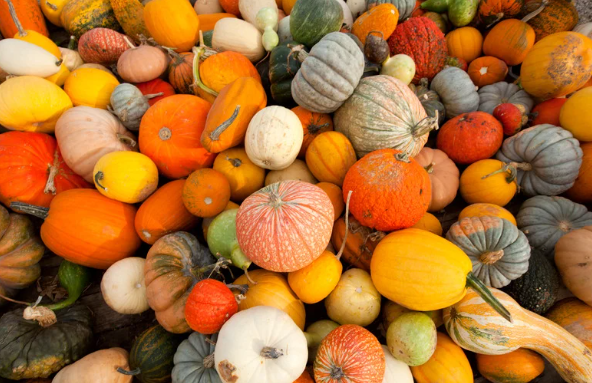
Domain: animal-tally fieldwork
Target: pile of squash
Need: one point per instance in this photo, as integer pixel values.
(238, 165)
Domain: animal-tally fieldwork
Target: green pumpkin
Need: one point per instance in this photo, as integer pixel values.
(194, 360)
(222, 239)
(151, 356)
(310, 20)
(28, 350)
(283, 66)
(80, 16)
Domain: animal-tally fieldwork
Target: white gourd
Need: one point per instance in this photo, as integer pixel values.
(238, 36)
(250, 8)
(21, 58)
(399, 66)
(396, 371)
(123, 286)
(72, 59)
(207, 7)
(348, 19)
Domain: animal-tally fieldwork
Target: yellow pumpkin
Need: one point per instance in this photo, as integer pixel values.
(126, 176)
(448, 364)
(488, 181)
(430, 223)
(520, 366)
(315, 282)
(244, 177)
(172, 23)
(329, 156)
(465, 43)
(90, 87)
(31, 104)
(576, 114)
(60, 78)
(52, 9)
(486, 209)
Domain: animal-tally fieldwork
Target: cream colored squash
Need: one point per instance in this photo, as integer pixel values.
(297, 171)
(208, 7)
(585, 29)
(21, 58)
(237, 35)
(97, 367)
(249, 9)
(396, 371)
(274, 138)
(399, 66)
(348, 19)
(71, 58)
(123, 286)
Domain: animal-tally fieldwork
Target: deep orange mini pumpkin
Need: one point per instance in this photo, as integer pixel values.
(360, 242)
(170, 135)
(383, 19)
(206, 193)
(209, 305)
(390, 191)
(156, 86)
(547, 112)
(28, 13)
(181, 71)
(244, 177)
(518, 366)
(509, 40)
(313, 125)
(487, 70)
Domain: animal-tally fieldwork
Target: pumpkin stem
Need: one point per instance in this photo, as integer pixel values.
(127, 140)
(497, 18)
(251, 281)
(129, 42)
(271, 352)
(314, 129)
(51, 6)
(216, 133)
(164, 133)
(37, 211)
(43, 315)
(491, 257)
(242, 288)
(209, 361)
(535, 13)
(402, 156)
(430, 168)
(504, 169)
(299, 53)
(171, 52)
(72, 42)
(337, 373)
(524, 166)
(275, 200)
(98, 177)
(425, 126)
(15, 19)
(199, 52)
(53, 171)
(200, 271)
(153, 95)
(487, 296)
(376, 32)
(236, 162)
(126, 372)
(342, 249)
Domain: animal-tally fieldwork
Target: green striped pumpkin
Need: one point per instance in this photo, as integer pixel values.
(79, 16)
(310, 20)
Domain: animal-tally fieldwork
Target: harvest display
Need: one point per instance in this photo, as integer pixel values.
(295, 191)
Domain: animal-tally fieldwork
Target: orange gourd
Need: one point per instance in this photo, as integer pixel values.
(181, 71)
(313, 125)
(430, 223)
(485, 210)
(547, 112)
(520, 366)
(231, 113)
(491, 11)
(487, 70)
(448, 364)
(170, 135)
(230, 6)
(576, 115)
(465, 43)
(360, 242)
(383, 19)
(164, 213)
(581, 191)
(335, 195)
(172, 23)
(206, 192)
(330, 156)
(556, 16)
(575, 316)
(314, 282)
(488, 181)
(509, 40)
(207, 22)
(287, 5)
(305, 378)
(244, 177)
(28, 13)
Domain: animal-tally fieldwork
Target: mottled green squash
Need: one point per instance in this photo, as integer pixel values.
(79, 16)
(283, 66)
(130, 15)
(310, 20)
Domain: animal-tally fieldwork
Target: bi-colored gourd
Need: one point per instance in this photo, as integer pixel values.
(102, 366)
(491, 96)
(123, 286)
(80, 16)
(221, 237)
(486, 209)
(130, 15)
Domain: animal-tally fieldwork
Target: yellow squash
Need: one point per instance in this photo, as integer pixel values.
(576, 114)
(172, 23)
(90, 87)
(430, 223)
(488, 181)
(52, 9)
(315, 282)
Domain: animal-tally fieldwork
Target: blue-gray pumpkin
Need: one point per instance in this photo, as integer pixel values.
(194, 360)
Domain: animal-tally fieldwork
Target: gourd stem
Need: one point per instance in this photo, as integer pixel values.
(245, 269)
(164, 133)
(126, 372)
(200, 271)
(15, 19)
(336, 373)
(313, 128)
(209, 361)
(535, 13)
(65, 303)
(236, 162)
(37, 211)
(174, 55)
(426, 125)
(199, 52)
(127, 140)
(98, 177)
(504, 169)
(153, 95)
(242, 288)
(72, 42)
(51, 6)
(216, 133)
(491, 257)
(403, 157)
(342, 249)
(488, 297)
(129, 43)
(53, 172)
(430, 168)
(377, 32)
(271, 353)
(14, 300)
(299, 53)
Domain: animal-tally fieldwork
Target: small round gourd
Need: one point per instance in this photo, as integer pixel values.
(129, 105)
(457, 91)
(315, 282)
(490, 96)
(123, 286)
(411, 338)
(194, 360)
(488, 181)
(376, 48)
(399, 66)
(267, 20)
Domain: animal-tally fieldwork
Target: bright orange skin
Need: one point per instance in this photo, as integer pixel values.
(581, 191)
(223, 68)
(209, 305)
(156, 86)
(244, 176)
(313, 125)
(547, 112)
(494, 68)
(230, 6)
(518, 366)
(448, 364)
(430, 223)
(208, 22)
(383, 18)
(575, 316)
(387, 193)
(509, 40)
(360, 242)
(486, 209)
(465, 43)
(28, 13)
(206, 193)
(353, 349)
(305, 378)
(330, 156)
(335, 195)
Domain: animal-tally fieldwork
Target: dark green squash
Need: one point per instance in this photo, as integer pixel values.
(151, 356)
(429, 99)
(28, 350)
(536, 290)
(283, 66)
(310, 20)
(207, 37)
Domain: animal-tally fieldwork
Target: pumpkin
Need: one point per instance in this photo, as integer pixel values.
(359, 244)
(279, 355)
(72, 59)
(448, 361)
(151, 356)
(194, 360)
(142, 63)
(223, 68)
(574, 115)
(151, 89)
(298, 171)
(510, 40)
(487, 70)
(556, 16)
(336, 196)
(90, 87)
(181, 71)
(580, 191)
(27, 12)
(103, 233)
(548, 112)
(206, 193)
(238, 36)
(85, 134)
(31, 104)
(80, 16)
(430, 100)
(35, 175)
(130, 15)
(574, 316)
(382, 18)
(422, 40)
(444, 176)
(470, 137)
(123, 286)
(491, 11)
(313, 124)
(283, 66)
(468, 323)
(484, 210)
(231, 113)
(430, 223)
(102, 46)
(390, 107)
(517, 366)
(311, 20)
(405, 7)
(170, 135)
(101, 366)
(412, 338)
(22, 357)
(129, 105)
(207, 22)
(395, 371)
(342, 63)
(457, 91)
(33, 60)
(244, 176)
(172, 23)
(491, 96)
(488, 181)
(557, 65)
(349, 353)
(571, 258)
(230, 6)
(465, 43)
(330, 156)
(315, 282)
(209, 305)
(548, 170)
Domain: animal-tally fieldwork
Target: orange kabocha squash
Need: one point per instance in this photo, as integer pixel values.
(231, 113)
(130, 15)
(244, 176)
(329, 157)
(313, 125)
(86, 228)
(581, 191)
(465, 43)
(556, 16)
(448, 364)
(206, 193)
(382, 19)
(575, 316)
(172, 23)
(28, 13)
(360, 242)
(520, 366)
(487, 70)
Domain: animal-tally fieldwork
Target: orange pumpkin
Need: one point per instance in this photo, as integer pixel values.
(575, 316)
(231, 113)
(509, 40)
(430, 223)
(335, 195)
(485, 210)
(488, 181)
(465, 43)
(181, 71)
(244, 177)
(206, 192)
(330, 156)
(556, 16)
(581, 191)
(313, 125)
(491, 11)
(28, 13)
(448, 364)
(87, 228)
(547, 112)
(444, 176)
(207, 22)
(305, 378)
(360, 242)
(487, 70)
(230, 6)
(170, 135)
(172, 23)
(383, 19)
(520, 366)
(163, 213)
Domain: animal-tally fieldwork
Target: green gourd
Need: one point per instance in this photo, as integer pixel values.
(283, 66)
(310, 20)
(222, 239)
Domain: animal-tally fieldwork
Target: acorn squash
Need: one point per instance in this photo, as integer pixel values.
(283, 66)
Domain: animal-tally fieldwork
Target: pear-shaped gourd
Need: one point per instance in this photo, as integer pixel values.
(222, 239)
(267, 20)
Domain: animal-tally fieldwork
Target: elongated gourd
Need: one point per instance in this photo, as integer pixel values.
(21, 58)
(475, 326)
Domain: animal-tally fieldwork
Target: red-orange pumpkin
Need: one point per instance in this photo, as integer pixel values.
(32, 169)
(181, 71)
(170, 134)
(209, 305)
(491, 11)
(156, 86)
(359, 244)
(313, 125)
(487, 70)
(101, 46)
(547, 112)
(285, 226)
(28, 13)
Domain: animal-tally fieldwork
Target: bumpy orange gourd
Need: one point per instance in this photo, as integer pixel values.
(243, 175)
(478, 183)
(487, 70)
(172, 23)
(556, 16)
(465, 43)
(581, 191)
(448, 364)
(206, 193)
(520, 366)
(575, 316)
(485, 210)
(313, 125)
(383, 18)
(335, 195)
(430, 223)
(314, 282)
(329, 157)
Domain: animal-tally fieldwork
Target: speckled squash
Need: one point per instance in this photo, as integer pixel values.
(79, 16)
(575, 316)
(556, 16)
(130, 15)
(101, 46)
(491, 96)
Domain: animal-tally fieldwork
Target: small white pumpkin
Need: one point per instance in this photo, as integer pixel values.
(129, 104)
(237, 35)
(357, 7)
(399, 66)
(21, 58)
(585, 29)
(396, 371)
(71, 58)
(250, 8)
(348, 19)
(123, 286)
(274, 138)
(207, 7)
(261, 344)
(284, 30)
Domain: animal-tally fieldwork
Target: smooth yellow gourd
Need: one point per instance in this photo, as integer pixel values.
(430, 223)
(126, 176)
(576, 114)
(90, 87)
(488, 181)
(52, 9)
(315, 282)
(60, 78)
(31, 104)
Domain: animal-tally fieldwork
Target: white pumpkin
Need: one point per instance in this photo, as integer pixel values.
(396, 371)
(250, 8)
(261, 344)
(348, 19)
(237, 35)
(123, 286)
(274, 138)
(357, 7)
(354, 300)
(71, 58)
(21, 58)
(585, 29)
(399, 66)
(208, 7)
(284, 30)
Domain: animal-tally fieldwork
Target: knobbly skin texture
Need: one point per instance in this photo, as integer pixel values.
(411, 338)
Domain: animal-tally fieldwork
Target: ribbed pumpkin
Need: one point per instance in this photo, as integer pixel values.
(485, 210)
(194, 360)
(102, 46)
(32, 169)
(491, 96)
(90, 87)
(181, 71)
(305, 215)
(244, 177)
(79, 16)
(206, 193)
(556, 16)
(575, 316)
(517, 366)
(448, 364)
(310, 20)
(488, 181)
(142, 63)
(384, 113)
(456, 90)
(360, 242)
(487, 70)
(170, 135)
(491, 11)
(28, 13)
(172, 23)
(283, 66)
(330, 156)
(87, 228)
(465, 43)
(422, 40)
(313, 124)
(444, 176)
(382, 18)
(130, 15)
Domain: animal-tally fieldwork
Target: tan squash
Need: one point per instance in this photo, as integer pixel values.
(573, 257)
(99, 367)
